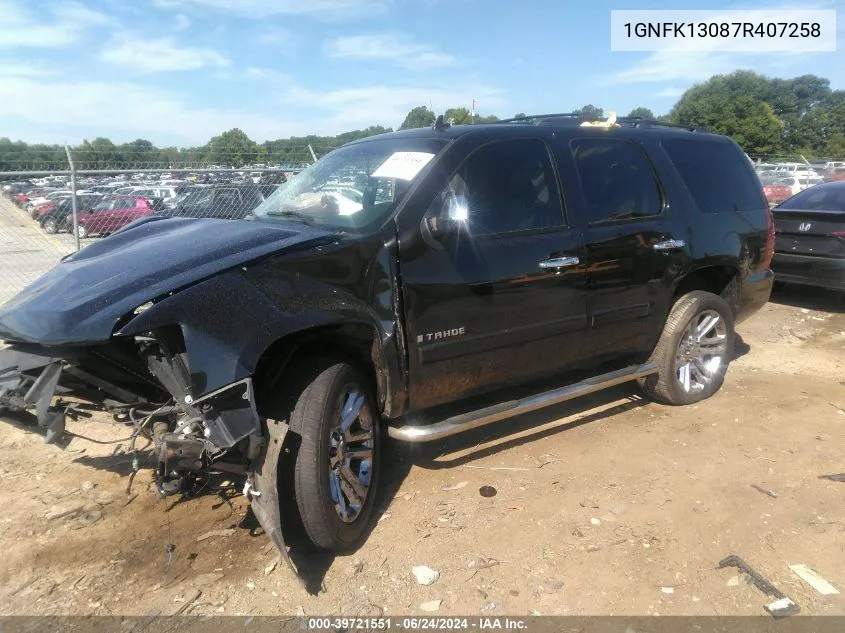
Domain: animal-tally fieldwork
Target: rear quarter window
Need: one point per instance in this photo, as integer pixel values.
(716, 174)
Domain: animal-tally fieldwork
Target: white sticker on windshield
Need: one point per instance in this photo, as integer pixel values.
(403, 165)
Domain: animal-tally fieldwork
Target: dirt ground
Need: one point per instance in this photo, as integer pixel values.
(606, 505)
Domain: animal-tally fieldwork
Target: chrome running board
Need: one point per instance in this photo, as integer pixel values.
(503, 410)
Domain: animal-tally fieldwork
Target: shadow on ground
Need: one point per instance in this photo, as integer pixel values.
(809, 297)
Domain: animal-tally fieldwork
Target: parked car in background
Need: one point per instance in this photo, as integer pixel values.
(111, 215)
(164, 193)
(227, 202)
(837, 175)
(34, 204)
(54, 220)
(776, 188)
(810, 237)
(798, 183)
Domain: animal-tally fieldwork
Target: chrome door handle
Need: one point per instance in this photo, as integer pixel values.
(669, 245)
(559, 262)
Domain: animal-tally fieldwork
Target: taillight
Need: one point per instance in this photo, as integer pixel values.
(838, 233)
(770, 240)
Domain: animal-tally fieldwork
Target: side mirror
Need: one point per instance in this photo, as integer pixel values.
(452, 218)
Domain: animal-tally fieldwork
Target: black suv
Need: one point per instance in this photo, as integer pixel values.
(407, 283)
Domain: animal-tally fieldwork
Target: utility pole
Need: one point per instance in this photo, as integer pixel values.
(473, 109)
(73, 197)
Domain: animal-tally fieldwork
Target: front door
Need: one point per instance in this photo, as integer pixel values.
(492, 283)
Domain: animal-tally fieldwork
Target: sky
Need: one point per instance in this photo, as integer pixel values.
(177, 72)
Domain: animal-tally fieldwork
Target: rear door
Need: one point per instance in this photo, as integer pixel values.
(500, 299)
(629, 243)
(111, 221)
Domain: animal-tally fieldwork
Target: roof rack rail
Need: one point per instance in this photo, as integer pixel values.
(576, 118)
(531, 118)
(636, 121)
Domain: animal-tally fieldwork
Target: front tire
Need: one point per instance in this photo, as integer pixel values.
(693, 352)
(336, 468)
(81, 231)
(50, 225)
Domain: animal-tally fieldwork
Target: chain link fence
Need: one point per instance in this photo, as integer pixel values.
(56, 200)
(49, 212)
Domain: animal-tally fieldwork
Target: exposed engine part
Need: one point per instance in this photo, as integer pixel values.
(182, 457)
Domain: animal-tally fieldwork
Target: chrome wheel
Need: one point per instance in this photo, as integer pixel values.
(351, 457)
(701, 351)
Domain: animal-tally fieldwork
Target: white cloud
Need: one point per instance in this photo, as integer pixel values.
(350, 108)
(258, 9)
(276, 35)
(397, 48)
(21, 28)
(181, 22)
(89, 109)
(21, 70)
(159, 55)
(670, 93)
(667, 66)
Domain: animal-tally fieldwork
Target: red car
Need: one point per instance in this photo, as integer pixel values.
(775, 194)
(775, 189)
(111, 215)
(838, 174)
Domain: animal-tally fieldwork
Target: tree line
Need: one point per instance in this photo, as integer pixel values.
(766, 116)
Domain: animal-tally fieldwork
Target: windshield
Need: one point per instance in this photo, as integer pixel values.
(353, 187)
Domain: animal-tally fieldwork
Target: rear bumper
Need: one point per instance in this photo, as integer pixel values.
(825, 272)
(754, 293)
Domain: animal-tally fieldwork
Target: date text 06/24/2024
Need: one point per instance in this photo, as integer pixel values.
(415, 624)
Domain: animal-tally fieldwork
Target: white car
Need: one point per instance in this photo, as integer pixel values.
(798, 182)
(165, 193)
(50, 197)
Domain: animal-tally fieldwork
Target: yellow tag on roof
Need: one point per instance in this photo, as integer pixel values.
(611, 122)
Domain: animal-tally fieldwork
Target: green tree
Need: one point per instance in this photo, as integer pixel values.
(590, 111)
(232, 147)
(642, 113)
(806, 109)
(490, 118)
(520, 115)
(458, 116)
(420, 116)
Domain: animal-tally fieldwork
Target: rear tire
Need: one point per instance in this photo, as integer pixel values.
(50, 226)
(327, 479)
(693, 352)
(81, 231)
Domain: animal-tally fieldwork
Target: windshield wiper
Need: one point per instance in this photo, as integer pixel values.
(302, 217)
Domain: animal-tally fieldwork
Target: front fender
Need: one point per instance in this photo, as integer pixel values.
(228, 323)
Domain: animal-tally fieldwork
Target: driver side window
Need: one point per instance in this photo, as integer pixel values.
(505, 187)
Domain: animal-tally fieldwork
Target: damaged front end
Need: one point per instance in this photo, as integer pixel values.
(144, 382)
(161, 326)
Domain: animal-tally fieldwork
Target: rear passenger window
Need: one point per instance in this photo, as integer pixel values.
(717, 175)
(509, 186)
(617, 180)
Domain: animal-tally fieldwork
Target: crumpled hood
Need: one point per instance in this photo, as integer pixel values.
(83, 297)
